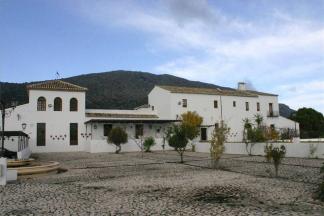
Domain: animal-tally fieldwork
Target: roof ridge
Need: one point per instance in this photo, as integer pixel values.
(206, 90)
(56, 84)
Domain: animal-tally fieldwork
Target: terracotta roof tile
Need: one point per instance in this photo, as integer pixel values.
(261, 93)
(208, 91)
(56, 85)
(121, 115)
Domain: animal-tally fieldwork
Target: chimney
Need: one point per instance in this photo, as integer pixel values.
(241, 86)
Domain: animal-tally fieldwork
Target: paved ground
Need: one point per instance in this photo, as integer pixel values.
(129, 184)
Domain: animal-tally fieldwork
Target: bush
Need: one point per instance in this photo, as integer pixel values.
(320, 189)
(191, 122)
(275, 154)
(117, 136)
(178, 140)
(312, 150)
(256, 135)
(217, 141)
(148, 143)
(267, 152)
(320, 193)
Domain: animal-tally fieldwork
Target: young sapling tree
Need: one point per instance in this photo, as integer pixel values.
(217, 142)
(117, 136)
(191, 122)
(178, 140)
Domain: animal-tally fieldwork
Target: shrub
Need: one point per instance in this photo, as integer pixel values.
(217, 141)
(267, 151)
(178, 140)
(277, 154)
(117, 136)
(193, 147)
(320, 189)
(256, 134)
(191, 122)
(148, 143)
(312, 150)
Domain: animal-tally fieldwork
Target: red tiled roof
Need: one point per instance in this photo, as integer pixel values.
(207, 91)
(121, 115)
(56, 85)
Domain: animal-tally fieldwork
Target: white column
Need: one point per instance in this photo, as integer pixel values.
(3, 171)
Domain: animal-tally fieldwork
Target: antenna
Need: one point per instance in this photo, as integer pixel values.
(57, 75)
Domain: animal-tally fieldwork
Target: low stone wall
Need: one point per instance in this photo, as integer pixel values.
(301, 150)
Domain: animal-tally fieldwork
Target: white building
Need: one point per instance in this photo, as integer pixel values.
(56, 119)
(214, 105)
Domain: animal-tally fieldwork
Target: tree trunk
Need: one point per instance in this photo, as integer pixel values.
(276, 169)
(118, 149)
(181, 156)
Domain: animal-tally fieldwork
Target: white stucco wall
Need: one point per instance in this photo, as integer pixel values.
(301, 150)
(131, 146)
(170, 104)
(166, 105)
(57, 122)
(98, 142)
(161, 100)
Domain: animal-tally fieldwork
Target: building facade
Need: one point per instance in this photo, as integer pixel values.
(56, 119)
(215, 105)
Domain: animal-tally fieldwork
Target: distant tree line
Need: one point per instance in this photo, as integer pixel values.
(311, 122)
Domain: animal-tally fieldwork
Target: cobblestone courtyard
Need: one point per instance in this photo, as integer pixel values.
(154, 184)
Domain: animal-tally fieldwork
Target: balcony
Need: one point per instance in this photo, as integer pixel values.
(273, 114)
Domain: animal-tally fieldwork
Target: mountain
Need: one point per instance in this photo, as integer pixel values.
(110, 90)
(285, 110)
(116, 89)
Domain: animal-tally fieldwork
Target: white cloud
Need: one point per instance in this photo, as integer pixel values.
(304, 94)
(220, 48)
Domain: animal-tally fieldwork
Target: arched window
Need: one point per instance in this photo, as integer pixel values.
(73, 104)
(41, 104)
(57, 104)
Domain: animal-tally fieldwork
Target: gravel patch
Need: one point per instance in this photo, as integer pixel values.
(155, 184)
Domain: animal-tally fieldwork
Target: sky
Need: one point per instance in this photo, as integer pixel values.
(276, 46)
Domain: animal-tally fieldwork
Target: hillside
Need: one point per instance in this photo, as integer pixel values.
(285, 110)
(116, 89)
(110, 90)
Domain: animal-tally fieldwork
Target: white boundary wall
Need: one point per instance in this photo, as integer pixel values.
(97, 146)
(301, 150)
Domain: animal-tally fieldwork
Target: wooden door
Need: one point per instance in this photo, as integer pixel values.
(41, 134)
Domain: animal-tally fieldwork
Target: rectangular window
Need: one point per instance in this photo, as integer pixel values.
(234, 103)
(107, 129)
(270, 107)
(203, 134)
(184, 102)
(138, 131)
(73, 133)
(247, 107)
(215, 104)
(41, 134)
(258, 106)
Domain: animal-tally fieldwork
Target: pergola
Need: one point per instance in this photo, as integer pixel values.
(126, 121)
(22, 138)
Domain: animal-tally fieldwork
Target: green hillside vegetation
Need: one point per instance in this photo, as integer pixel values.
(110, 90)
(311, 122)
